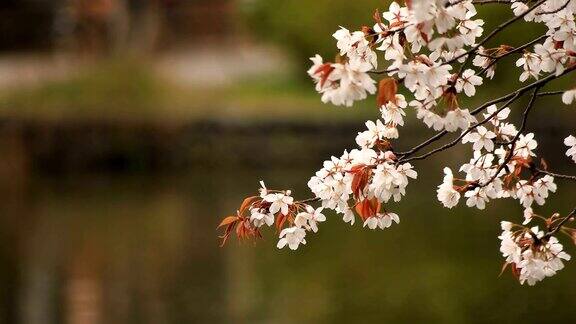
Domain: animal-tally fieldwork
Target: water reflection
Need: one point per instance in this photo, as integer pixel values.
(143, 249)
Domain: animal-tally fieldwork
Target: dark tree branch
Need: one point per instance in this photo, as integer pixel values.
(459, 138)
(551, 93)
(495, 59)
(555, 11)
(494, 32)
(510, 154)
(513, 95)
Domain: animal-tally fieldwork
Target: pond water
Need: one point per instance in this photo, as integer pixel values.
(143, 249)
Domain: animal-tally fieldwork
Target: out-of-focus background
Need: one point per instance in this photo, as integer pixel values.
(129, 127)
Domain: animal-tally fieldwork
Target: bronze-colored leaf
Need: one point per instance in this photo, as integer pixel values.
(228, 220)
(387, 90)
(247, 202)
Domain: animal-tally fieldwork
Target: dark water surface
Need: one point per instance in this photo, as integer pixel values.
(143, 249)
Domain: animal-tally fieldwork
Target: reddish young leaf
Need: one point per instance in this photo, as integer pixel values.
(246, 203)
(397, 24)
(280, 220)
(228, 220)
(240, 230)
(227, 233)
(423, 34)
(360, 180)
(368, 208)
(387, 89)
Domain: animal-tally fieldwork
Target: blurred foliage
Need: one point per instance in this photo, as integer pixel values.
(305, 29)
(125, 89)
(109, 88)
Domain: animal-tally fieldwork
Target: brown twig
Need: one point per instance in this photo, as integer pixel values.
(557, 175)
(559, 226)
(495, 59)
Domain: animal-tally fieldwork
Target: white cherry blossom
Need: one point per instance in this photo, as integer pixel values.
(447, 195)
(481, 139)
(310, 218)
(280, 202)
(259, 218)
(467, 82)
(292, 237)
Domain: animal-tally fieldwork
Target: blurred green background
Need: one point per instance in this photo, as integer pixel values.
(129, 128)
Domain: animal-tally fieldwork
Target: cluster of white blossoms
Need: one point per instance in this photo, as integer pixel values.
(495, 171)
(306, 218)
(342, 84)
(552, 55)
(435, 50)
(362, 180)
(424, 67)
(532, 255)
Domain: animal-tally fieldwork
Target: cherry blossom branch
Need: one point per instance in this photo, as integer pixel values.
(551, 93)
(444, 132)
(510, 154)
(494, 32)
(513, 95)
(468, 53)
(459, 138)
(482, 2)
(309, 200)
(432, 56)
(497, 58)
(556, 10)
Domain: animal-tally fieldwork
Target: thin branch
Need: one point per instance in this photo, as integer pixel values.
(510, 154)
(556, 10)
(495, 59)
(309, 200)
(459, 138)
(482, 2)
(559, 226)
(557, 175)
(551, 93)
